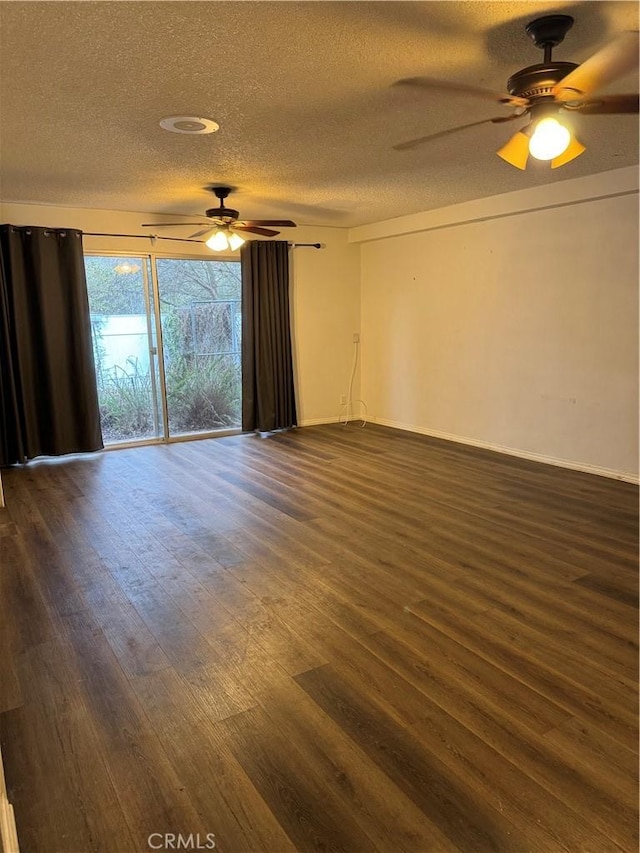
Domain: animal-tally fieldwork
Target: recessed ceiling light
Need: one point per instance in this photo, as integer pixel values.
(189, 124)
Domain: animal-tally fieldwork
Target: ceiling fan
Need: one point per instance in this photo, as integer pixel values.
(547, 93)
(224, 224)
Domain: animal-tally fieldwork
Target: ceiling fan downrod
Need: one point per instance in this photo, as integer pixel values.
(548, 32)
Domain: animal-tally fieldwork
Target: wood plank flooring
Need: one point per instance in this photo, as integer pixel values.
(331, 639)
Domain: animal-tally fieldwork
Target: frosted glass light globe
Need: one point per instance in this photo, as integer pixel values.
(235, 241)
(218, 242)
(549, 140)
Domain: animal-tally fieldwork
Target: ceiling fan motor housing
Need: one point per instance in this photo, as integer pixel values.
(537, 81)
(225, 214)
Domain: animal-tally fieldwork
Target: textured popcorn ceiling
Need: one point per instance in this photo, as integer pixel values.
(302, 95)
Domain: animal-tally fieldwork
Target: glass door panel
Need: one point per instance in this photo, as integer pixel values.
(124, 347)
(200, 311)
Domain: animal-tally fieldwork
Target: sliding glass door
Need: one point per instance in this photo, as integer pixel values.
(124, 347)
(166, 336)
(201, 326)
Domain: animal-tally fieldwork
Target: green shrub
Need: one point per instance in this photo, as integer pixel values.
(203, 390)
(126, 403)
(203, 393)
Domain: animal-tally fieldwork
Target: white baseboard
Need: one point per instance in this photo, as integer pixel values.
(8, 832)
(512, 451)
(316, 421)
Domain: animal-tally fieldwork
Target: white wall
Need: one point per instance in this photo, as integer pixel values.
(511, 322)
(326, 313)
(326, 291)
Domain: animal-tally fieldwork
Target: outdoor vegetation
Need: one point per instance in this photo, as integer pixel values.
(201, 332)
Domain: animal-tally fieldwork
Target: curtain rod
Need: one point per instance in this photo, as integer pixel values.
(181, 239)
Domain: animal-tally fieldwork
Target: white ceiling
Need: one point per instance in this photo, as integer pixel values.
(302, 95)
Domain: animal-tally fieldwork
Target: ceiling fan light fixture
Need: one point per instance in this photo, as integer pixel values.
(574, 149)
(235, 241)
(218, 241)
(516, 150)
(549, 140)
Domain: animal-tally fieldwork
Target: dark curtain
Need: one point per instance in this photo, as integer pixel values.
(268, 398)
(48, 397)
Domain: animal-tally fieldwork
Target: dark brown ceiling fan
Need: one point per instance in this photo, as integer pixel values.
(225, 221)
(547, 93)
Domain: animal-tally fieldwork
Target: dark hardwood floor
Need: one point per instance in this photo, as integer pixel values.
(333, 639)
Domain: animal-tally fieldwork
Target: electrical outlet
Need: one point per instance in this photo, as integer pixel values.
(343, 400)
(356, 337)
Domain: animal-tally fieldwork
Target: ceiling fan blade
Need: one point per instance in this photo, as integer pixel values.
(612, 61)
(574, 150)
(266, 232)
(167, 224)
(609, 104)
(413, 143)
(200, 233)
(282, 223)
(462, 89)
(516, 151)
